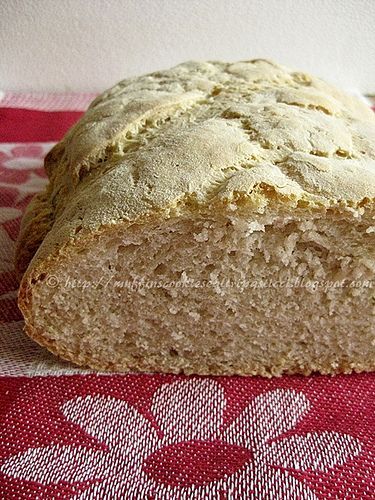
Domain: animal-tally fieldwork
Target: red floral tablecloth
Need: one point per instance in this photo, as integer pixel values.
(69, 433)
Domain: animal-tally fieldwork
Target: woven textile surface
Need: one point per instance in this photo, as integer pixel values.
(68, 433)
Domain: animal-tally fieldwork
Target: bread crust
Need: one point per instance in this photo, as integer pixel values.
(198, 137)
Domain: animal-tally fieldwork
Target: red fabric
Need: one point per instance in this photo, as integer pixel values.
(69, 434)
(27, 125)
(31, 418)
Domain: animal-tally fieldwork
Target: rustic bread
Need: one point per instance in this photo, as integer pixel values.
(214, 218)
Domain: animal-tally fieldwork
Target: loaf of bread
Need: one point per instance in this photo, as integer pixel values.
(214, 218)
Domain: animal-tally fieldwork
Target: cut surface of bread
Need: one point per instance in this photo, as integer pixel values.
(214, 218)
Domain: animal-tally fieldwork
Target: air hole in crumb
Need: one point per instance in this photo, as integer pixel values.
(232, 252)
(315, 152)
(160, 269)
(302, 204)
(216, 91)
(78, 229)
(103, 160)
(83, 171)
(173, 353)
(342, 153)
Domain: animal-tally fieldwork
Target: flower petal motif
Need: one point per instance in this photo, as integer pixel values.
(189, 414)
(33, 184)
(28, 151)
(189, 410)
(3, 157)
(24, 163)
(317, 452)
(212, 490)
(9, 213)
(129, 436)
(280, 485)
(8, 247)
(17, 162)
(11, 295)
(131, 487)
(267, 416)
(53, 464)
(260, 482)
(241, 484)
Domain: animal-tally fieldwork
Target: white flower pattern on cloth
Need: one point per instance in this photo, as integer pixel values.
(21, 167)
(162, 458)
(28, 156)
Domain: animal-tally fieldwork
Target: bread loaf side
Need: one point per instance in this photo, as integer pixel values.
(213, 218)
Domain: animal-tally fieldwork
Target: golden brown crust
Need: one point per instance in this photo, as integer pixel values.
(198, 136)
(208, 130)
(36, 223)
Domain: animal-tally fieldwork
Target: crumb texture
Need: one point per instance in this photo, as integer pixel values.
(241, 171)
(217, 295)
